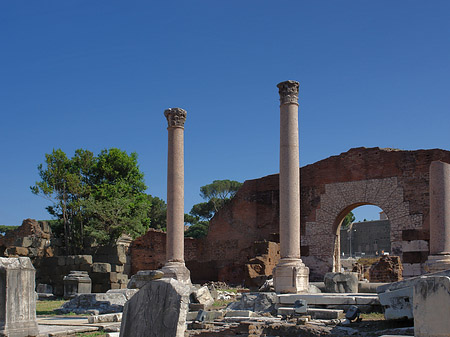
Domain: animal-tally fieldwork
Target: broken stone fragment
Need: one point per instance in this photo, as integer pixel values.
(203, 296)
(142, 277)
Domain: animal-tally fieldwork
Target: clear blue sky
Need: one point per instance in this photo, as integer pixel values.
(99, 74)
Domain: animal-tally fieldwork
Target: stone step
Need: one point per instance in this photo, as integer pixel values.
(330, 299)
(315, 313)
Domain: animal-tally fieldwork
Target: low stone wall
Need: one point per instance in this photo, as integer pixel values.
(104, 275)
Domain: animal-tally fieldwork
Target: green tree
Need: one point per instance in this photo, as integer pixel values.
(64, 181)
(157, 213)
(216, 194)
(348, 220)
(97, 196)
(219, 192)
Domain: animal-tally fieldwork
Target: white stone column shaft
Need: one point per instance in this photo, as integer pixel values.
(439, 208)
(439, 258)
(289, 181)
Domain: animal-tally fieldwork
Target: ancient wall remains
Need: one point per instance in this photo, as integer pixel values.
(396, 181)
(108, 266)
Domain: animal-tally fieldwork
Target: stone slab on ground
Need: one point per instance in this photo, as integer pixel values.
(330, 299)
(315, 313)
(157, 310)
(64, 326)
(240, 313)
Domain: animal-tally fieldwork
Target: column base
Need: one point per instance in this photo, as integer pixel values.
(436, 263)
(291, 276)
(177, 271)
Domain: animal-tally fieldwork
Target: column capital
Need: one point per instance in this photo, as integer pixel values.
(175, 117)
(288, 91)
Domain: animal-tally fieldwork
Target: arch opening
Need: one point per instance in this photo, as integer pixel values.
(362, 230)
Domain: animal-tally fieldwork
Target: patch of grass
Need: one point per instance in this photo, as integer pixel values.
(373, 316)
(221, 303)
(48, 307)
(91, 334)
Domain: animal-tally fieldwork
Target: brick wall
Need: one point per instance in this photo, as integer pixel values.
(394, 180)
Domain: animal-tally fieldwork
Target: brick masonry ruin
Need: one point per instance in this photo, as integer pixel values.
(394, 180)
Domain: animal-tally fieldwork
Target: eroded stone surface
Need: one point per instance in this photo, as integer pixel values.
(346, 282)
(157, 310)
(18, 298)
(432, 306)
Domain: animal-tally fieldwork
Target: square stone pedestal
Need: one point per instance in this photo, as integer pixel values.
(291, 276)
(436, 263)
(177, 271)
(17, 297)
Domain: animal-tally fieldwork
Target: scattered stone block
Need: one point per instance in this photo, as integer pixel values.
(240, 313)
(18, 298)
(17, 251)
(346, 282)
(100, 267)
(44, 288)
(157, 310)
(83, 259)
(106, 318)
(128, 293)
(397, 298)
(77, 282)
(258, 302)
(196, 306)
(103, 303)
(202, 296)
(432, 306)
(117, 268)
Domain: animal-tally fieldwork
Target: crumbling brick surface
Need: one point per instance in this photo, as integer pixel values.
(29, 227)
(388, 269)
(396, 181)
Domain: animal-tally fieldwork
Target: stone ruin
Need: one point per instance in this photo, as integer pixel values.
(107, 266)
(396, 181)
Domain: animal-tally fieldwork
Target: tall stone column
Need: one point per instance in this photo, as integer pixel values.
(439, 258)
(290, 274)
(175, 267)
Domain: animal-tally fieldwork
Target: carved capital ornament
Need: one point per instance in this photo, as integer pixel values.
(288, 91)
(175, 117)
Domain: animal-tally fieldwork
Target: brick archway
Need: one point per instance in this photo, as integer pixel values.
(321, 235)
